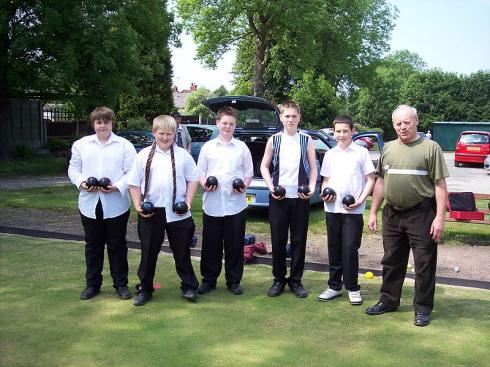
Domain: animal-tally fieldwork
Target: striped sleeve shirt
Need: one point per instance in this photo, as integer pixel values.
(410, 171)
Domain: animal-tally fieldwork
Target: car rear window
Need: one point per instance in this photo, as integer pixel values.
(474, 139)
(199, 134)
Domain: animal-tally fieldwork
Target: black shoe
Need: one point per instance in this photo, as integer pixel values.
(421, 319)
(190, 295)
(205, 288)
(298, 290)
(142, 298)
(235, 288)
(276, 289)
(379, 308)
(89, 292)
(123, 292)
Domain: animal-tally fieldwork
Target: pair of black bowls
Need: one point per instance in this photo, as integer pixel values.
(104, 182)
(180, 207)
(281, 191)
(348, 200)
(237, 183)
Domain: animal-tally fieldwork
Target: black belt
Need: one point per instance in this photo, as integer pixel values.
(426, 203)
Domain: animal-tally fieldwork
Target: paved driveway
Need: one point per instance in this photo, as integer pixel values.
(467, 178)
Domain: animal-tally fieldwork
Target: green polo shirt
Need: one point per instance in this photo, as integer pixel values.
(410, 171)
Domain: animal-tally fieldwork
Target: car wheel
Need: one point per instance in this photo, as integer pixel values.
(457, 164)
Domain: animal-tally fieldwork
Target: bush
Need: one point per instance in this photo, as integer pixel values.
(135, 123)
(23, 151)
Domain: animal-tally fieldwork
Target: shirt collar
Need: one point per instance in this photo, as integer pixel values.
(112, 138)
(232, 141)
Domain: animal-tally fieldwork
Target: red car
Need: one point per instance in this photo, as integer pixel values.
(472, 147)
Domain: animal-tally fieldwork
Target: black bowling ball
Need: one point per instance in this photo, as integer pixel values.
(327, 191)
(211, 181)
(180, 207)
(104, 182)
(279, 191)
(304, 189)
(238, 184)
(348, 200)
(92, 182)
(147, 207)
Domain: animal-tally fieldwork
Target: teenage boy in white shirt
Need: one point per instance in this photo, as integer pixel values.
(227, 159)
(104, 211)
(164, 174)
(348, 170)
(292, 155)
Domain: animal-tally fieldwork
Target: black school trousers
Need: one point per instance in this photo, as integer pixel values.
(98, 232)
(288, 216)
(402, 231)
(151, 232)
(220, 233)
(344, 233)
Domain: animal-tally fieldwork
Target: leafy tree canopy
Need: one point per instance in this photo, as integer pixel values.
(88, 52)
(279, 40)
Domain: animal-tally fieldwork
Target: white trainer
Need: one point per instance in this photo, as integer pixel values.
(355, 297)
(329, 294)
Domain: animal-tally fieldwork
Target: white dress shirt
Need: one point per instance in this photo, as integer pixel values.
(161, 187)
(91, 158)
(289, 160)
(225, 161)
(346, 170)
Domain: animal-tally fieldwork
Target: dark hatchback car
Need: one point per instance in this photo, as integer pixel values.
(139, 138)
(472, 147)
(257, 121)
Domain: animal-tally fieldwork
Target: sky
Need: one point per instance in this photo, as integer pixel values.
(453, 35)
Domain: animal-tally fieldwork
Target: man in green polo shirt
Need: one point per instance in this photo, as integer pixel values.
(412, 174)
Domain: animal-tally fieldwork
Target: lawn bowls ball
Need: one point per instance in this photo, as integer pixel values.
(211, 181)
(92, 182)
(104, 183)
(147, 207)
(279, 191)
(238, 184)
(348, 200)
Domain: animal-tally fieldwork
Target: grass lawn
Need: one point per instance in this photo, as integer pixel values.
(38, 164)
(64, 197)
(43, 322)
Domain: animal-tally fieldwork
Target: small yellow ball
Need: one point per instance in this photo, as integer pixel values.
(369, 275)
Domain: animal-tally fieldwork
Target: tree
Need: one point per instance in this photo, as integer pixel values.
(317, 99)
(298, 34)
(193, 103)
(88, 52)
(372, 105)
(221, 91)
(442, 96)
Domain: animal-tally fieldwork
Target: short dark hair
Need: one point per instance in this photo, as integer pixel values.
(228, 111)
(102, 113)
(343, 119)
(175, 114)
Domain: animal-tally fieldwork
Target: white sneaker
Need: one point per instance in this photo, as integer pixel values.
(329, 294)
(355, 297)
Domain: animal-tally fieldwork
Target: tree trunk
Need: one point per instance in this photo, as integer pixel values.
(259, 65)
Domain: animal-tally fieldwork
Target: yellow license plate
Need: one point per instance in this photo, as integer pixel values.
(473, 149)
(250, 198)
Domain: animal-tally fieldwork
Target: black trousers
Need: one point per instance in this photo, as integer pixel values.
(402, 231)
(344, 233)
(151, 232)
(98, 232)
(220, 233)
(288, 215)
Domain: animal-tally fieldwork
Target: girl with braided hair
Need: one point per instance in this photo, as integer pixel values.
(164, 174)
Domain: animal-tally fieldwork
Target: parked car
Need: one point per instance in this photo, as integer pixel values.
(486, 164)
(139, 138)
(472, 147)
(257, 121)
(199, 135)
